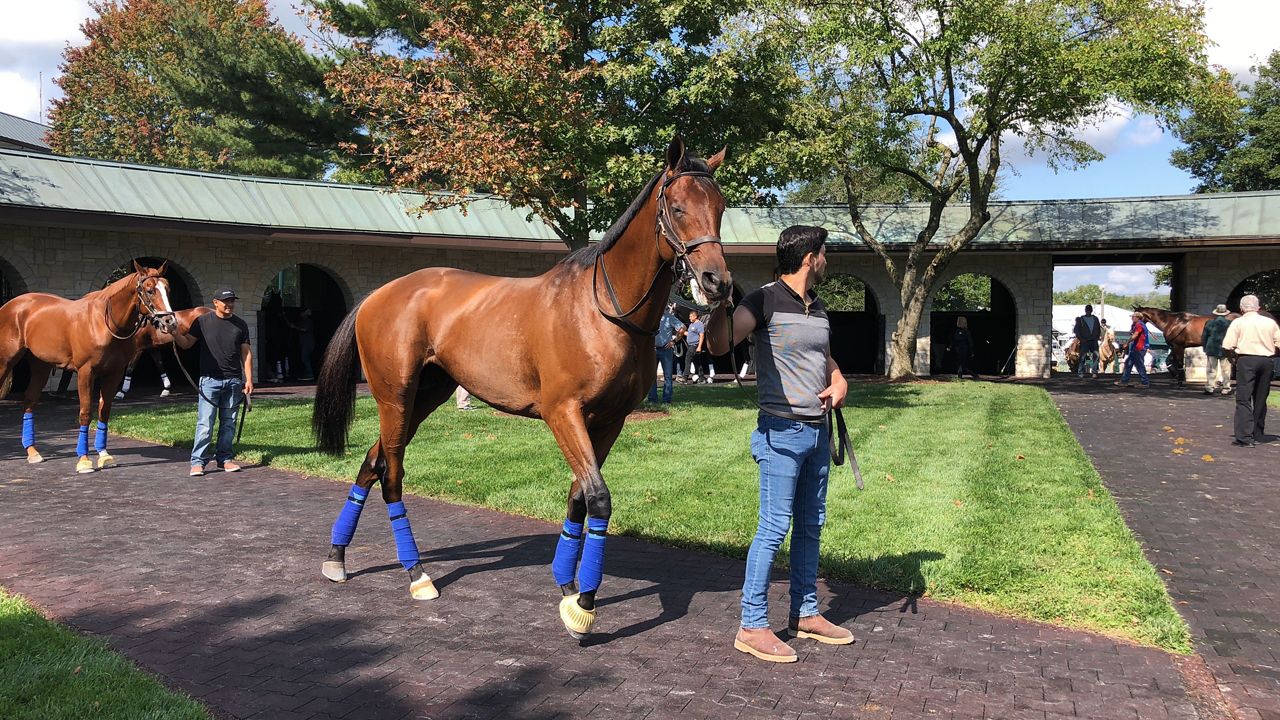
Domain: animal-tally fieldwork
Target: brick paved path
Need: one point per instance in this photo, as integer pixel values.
(1213, 528)
(217, 590)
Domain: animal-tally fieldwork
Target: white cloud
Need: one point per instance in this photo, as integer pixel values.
(1243, 32)
(43, 21)
(1117, 279)
(19, 95)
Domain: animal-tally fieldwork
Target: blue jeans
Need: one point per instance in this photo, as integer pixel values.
(666, 356)
(1088, 362)
(794, 459)
(226, 395)
(1135, 359)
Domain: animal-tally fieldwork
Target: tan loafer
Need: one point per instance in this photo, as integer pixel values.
(816, 627)
(762, 643)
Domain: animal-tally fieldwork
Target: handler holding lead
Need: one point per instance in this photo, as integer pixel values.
(798, 383)
(226, 371)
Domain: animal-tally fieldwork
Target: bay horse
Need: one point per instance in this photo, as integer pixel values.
(525, 347)
(1106, 353)
(1181, 330)
(93, 336)
(149, 339)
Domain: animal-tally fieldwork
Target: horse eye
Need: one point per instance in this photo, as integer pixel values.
(677, 210)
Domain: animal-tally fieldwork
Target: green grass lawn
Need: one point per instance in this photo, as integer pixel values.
(50, 672)
(976, 492)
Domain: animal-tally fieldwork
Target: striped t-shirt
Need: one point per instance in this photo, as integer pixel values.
(792, 344)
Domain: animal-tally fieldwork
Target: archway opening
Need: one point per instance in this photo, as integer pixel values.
(11, 286)
(302, 307)
(1266, 285)
(857, 325)
(989, 308)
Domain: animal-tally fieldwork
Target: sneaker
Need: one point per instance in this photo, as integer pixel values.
(196, 471)
(164, 392)
(228, 466)
(1119, 383)
(819, 628)
(1227, 391)
(764, 645)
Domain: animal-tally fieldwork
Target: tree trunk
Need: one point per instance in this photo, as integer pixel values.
(902, 348)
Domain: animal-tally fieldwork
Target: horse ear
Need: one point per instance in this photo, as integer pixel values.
(675, 153)
(163, 266)
(715, 160)
(138, 268)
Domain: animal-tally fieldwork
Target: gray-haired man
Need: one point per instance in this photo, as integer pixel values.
(1253, 338)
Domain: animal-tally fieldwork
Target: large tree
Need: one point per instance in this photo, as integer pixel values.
(204, 84)
(1234, 145)
(560, 107)
(931, 90)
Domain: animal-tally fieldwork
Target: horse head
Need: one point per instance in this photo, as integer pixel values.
(152, 289)
(690, 207)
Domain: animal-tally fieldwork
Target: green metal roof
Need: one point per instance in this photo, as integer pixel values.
(33, 180)
(23, 132)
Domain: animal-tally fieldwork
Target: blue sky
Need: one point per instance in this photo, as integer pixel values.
(34, 34)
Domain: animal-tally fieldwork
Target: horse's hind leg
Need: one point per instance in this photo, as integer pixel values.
(31, 398)
(344, 528)
(397, 427)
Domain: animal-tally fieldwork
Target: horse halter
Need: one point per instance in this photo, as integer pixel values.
(679, 265)
(152, 314)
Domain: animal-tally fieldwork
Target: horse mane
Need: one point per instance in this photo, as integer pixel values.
(586, 256)
(109, 289)
(1172, 314)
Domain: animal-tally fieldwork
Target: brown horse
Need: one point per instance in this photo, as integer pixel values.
(93, 336)
(1181, 330)
(150, 339)
(1106, 353)
(525, 346)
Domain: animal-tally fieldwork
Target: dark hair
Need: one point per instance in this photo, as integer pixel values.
(795, 242)
(1088, 309)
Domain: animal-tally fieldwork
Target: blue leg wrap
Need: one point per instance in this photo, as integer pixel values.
(100, 438)
(344, 528)
(565, 565)
(593, 555)
(406, 548)
(82, 443)
(28, 430)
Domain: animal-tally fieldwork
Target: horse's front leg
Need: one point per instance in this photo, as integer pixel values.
(30, 399)
(84, 388)
(106, 393)
(589, 501)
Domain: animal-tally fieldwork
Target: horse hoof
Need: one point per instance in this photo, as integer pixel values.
(423, 589)
(335, 571)
(577, 620)
(36, 457)
(84, 465)
(105, 460)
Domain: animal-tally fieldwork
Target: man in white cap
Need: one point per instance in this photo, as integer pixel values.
(1218, 374)
(1253, 338)
(226, 371)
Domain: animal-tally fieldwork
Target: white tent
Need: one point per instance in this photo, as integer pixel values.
(1118, 318)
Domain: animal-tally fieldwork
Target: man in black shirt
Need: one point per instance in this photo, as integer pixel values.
(226, 370)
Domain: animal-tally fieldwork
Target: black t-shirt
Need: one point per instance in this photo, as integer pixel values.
(220, 342)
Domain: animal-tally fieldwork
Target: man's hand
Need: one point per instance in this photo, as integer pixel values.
(833, 396)
(248, 387)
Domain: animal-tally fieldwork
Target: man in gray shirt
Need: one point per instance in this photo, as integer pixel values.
(798, 384)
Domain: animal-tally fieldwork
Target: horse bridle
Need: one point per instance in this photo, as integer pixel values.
(152, 314)
(679, 265)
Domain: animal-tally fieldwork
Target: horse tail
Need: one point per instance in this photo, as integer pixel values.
(335, 403)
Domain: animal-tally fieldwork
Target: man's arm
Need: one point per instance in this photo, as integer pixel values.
(716, 334)
(246, 359)
(180, 338)
(834, 394)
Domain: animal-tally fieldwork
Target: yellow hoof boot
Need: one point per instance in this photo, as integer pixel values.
(577, 620)
(34, 457)
(84, 465)
(423, 589)
(105, 460)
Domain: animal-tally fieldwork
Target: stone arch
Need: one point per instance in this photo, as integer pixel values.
(993, 324)
(291, 341)
(13, 280)
(1263, 283)
(857, 323)
(179, 269)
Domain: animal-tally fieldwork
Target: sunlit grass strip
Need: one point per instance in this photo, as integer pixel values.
(48, 672)
(976, 492)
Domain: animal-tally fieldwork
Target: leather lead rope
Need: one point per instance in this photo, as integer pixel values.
(837, 432)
